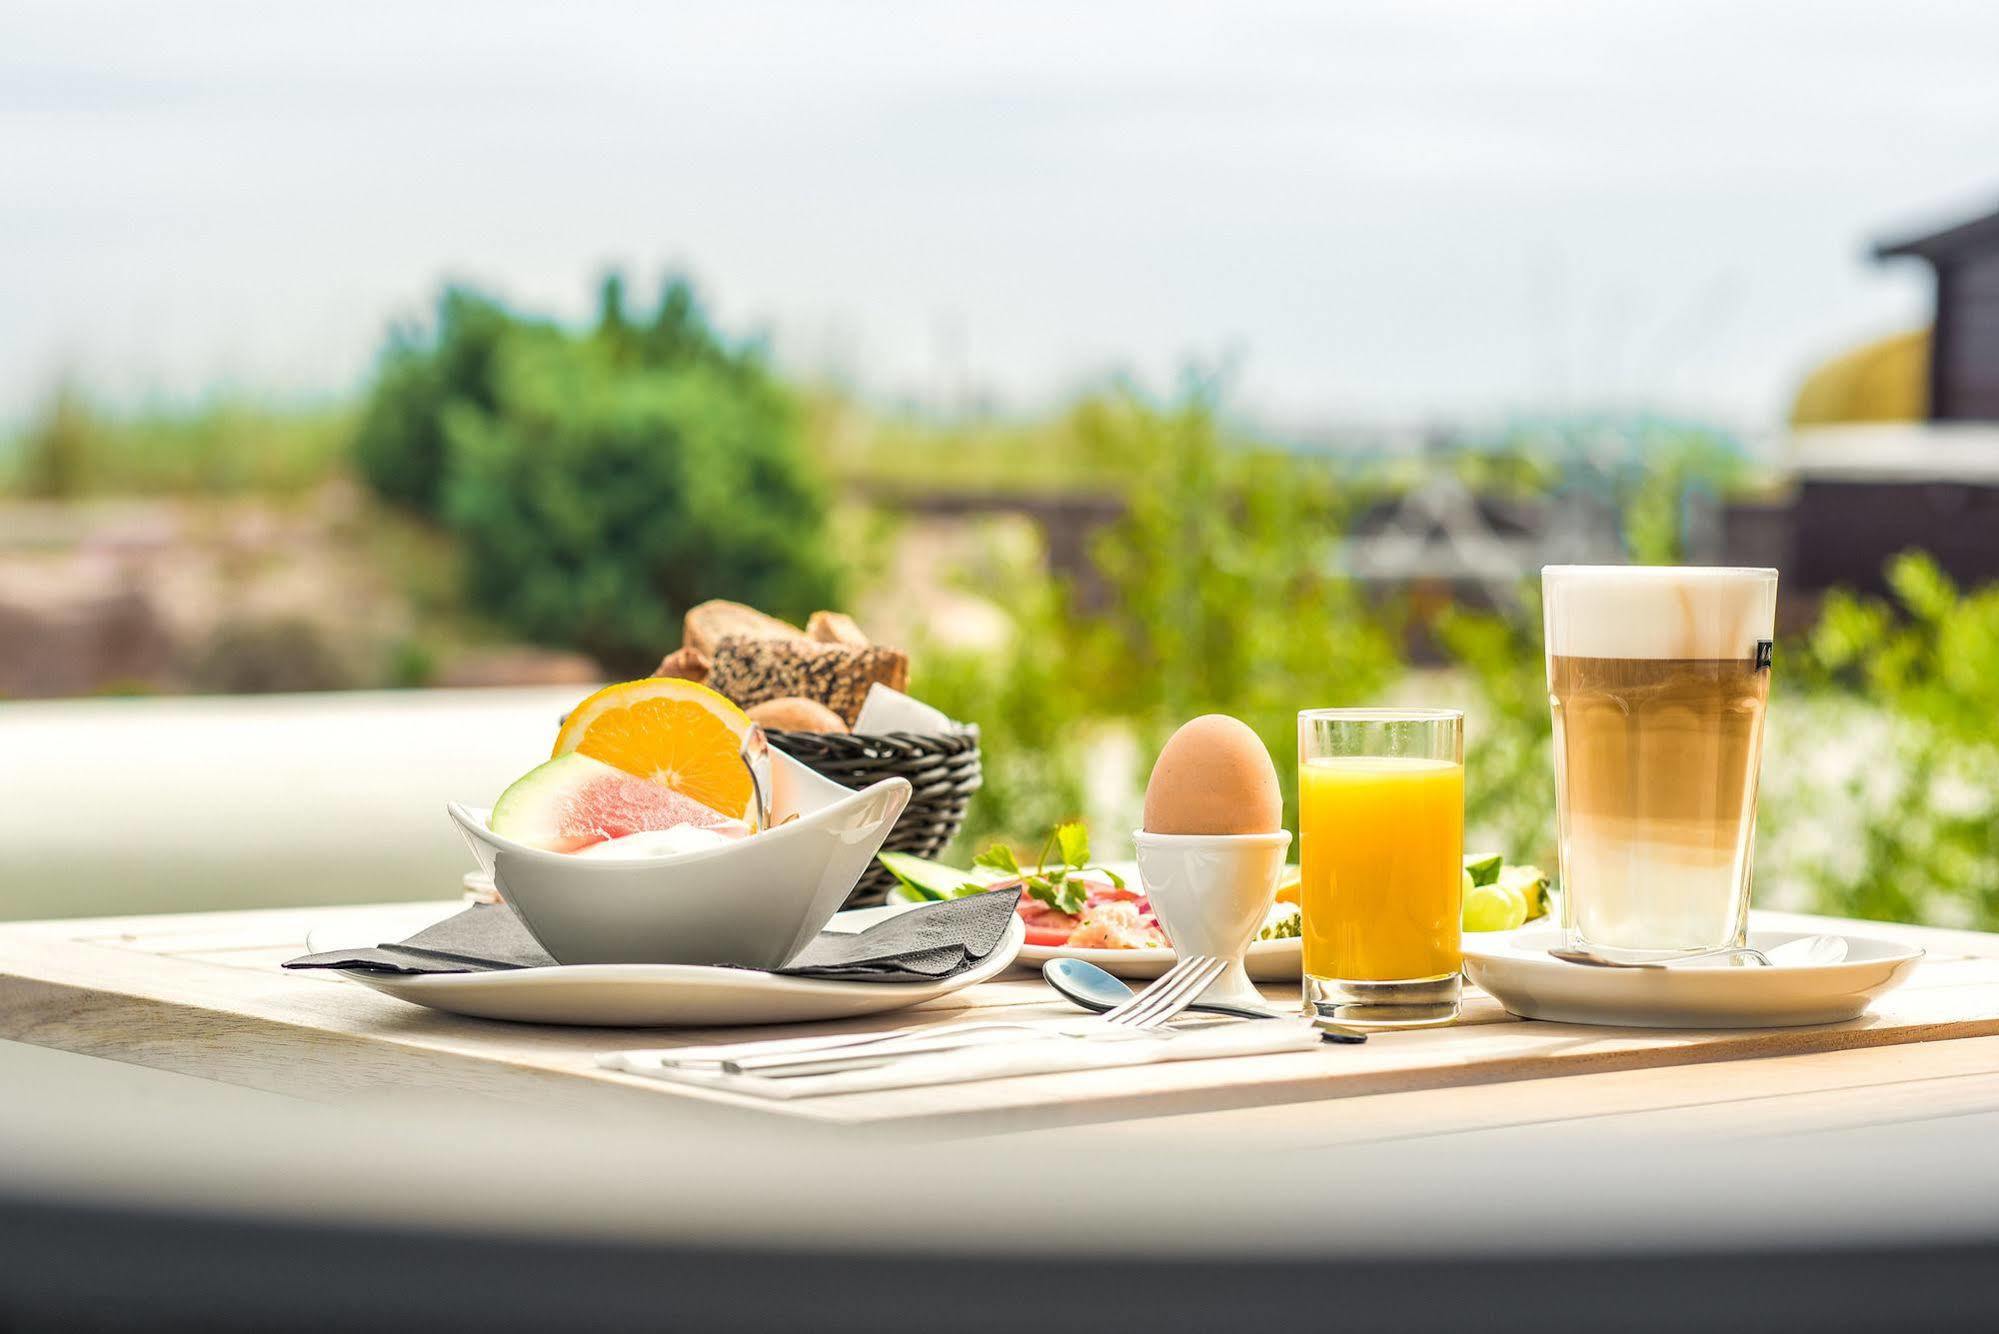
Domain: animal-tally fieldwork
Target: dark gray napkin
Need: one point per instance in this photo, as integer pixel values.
(925, 944)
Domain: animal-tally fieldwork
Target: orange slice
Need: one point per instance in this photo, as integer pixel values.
(1291, 887)
(673, 732)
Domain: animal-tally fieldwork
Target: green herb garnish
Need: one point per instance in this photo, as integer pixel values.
(1055, 880)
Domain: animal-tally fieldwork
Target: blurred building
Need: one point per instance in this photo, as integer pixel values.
(1962, 377)
(1895, 445)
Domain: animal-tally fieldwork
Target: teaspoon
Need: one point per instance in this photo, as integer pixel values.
(1574, 954)
(1094, 989)
(755, 755)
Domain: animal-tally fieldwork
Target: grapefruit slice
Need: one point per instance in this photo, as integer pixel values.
(573, 801)
(673, 732)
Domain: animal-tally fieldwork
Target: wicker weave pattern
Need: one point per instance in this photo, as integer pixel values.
(943, 771)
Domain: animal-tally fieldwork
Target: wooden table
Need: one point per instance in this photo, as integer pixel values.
(202, 994)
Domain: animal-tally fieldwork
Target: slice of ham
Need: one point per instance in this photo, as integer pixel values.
(1112, 918)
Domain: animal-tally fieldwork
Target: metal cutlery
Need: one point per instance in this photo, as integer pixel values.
(1804, 950)
(1177, 988)
(1147, 1012)
(1095, 989)
(755, 755)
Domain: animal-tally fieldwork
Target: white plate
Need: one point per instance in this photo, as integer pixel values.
(631, 995)
(1515, 967)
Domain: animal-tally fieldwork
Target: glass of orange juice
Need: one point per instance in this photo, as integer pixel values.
(1381, 832)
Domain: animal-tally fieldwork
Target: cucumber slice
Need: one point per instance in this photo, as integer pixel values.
(926, 880)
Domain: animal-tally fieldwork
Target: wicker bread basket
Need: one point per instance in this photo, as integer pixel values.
(943, 771)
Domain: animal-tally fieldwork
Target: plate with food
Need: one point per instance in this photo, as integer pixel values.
(645, 995)
(1071, 908)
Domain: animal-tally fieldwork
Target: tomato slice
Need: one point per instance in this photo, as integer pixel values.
(1045, 925)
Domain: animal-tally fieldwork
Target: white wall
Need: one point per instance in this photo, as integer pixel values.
(168, 805)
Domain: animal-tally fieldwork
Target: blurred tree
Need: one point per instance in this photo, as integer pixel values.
(1509, 756)
(596, 502)
(423, 375)
(601, 483)
(679, 333)
(1229, 594)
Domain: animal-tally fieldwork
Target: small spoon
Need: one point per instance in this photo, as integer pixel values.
(1573, 954)
(755, 754)
(1094, 989)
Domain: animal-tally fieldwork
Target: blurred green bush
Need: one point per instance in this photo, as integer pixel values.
(1225, 598)
(1228, 592)
(600, 483)
(1890, 807)
(422, 376)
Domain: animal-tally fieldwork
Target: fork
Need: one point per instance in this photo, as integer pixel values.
(1162, 986)
(1147, 1012)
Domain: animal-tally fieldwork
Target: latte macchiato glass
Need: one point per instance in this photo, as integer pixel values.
(1658, 677)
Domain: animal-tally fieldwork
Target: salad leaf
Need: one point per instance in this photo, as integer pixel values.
(998, 857)
(1061, 876)
(1073, 838)
(1059, 892)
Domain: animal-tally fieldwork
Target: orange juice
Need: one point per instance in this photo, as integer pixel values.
(1381, 852)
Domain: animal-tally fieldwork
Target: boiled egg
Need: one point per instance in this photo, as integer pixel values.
(1213, 776)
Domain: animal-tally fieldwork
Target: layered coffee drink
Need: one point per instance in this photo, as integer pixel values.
(1658, 678)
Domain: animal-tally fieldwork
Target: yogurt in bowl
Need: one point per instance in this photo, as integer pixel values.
(689, 895)
(653, 844)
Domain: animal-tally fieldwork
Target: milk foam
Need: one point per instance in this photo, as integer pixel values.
(1654, 611)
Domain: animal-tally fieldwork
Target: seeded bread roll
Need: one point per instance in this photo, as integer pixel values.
(689, 664)
(751, 671)
(832, 627)
(710, 623)
(792, 714)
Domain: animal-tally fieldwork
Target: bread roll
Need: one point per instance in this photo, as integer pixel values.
(750, 671)
(707, 625)
(792, 714)
(689, 664)
(832, 627)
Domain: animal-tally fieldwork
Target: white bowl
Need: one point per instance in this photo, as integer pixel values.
(754, 903)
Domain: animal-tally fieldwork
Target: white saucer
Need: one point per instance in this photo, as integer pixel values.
(628, 995)
(1515, 967)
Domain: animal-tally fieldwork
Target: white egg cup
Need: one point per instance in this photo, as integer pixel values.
(1211, 893)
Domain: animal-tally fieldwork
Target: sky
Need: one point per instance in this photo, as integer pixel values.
(1420, 212)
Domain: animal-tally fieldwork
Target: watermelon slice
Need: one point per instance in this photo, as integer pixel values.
(574, 801)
